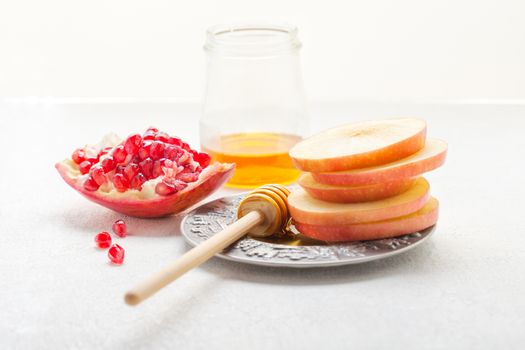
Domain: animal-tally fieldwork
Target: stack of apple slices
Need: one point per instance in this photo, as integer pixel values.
(363, 181)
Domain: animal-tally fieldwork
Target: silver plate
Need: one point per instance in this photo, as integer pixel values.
(210, 218)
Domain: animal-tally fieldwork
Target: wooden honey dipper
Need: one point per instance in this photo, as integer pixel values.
(261, 213)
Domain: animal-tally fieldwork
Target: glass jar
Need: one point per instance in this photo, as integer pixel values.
(254, 107)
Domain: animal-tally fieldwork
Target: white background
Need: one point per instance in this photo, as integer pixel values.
(375, 50)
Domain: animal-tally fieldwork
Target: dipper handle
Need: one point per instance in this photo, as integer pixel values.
(193, 258)
(261, 213)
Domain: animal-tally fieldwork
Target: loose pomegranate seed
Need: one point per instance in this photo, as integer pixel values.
(146, 167)
(120, 229)
(186, 147)
(97, 172)
(78, 156)
(108, 164)
(103, 240)
(162, 136)
(90, 184)
(131, 170)
(116, 254)
(138, 181)
(157, 150)
(203, 159)
(84, 167)
(119, 154)
(144, 150)
(120, 182)
(132, 144)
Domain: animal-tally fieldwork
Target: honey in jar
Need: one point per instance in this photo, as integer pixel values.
(260, 158)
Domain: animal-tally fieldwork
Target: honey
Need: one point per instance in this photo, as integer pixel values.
(260, 158)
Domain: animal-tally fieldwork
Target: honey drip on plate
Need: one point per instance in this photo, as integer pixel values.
(260, 158)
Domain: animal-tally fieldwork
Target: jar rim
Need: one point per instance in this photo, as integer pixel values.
(251, 39)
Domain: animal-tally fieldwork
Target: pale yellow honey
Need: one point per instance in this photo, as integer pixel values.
(260, 158)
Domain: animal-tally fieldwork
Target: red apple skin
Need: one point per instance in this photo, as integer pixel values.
(210, 180)
(412, 166)
(353, 194)
(307, 210)
(422, 219)
(379, 156)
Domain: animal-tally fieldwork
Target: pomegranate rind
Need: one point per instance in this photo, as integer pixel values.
(308, 210)
(431, 157)
(353, 194)
(340, 148)
(211, 179)
(424, 218)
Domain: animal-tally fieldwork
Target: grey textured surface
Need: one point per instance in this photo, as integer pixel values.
(464, 288)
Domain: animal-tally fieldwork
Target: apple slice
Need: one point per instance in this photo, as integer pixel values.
(352, 194)
(360, 145)
(429, 158)
(420, 220)
(308, 210)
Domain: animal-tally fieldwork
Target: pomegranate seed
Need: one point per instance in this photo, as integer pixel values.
(175, 141)
(184, 158)
(165, 189)
(120, 182)
(84, 167)
(146, 167)
(78, 156)
(131, 170)
(203, 159)
(103, 240)
(104, 151)
(90, 184)
(132, 144)
(116, 254)
(188, 177)
(144, 150)
(157, 150)
(119, 154)
(108, 164)
(157, 168)
(120, 169)
(138, 181)
(97, 172)
(172, 152)
(92, 159)
(185, 146)
(162, 136)
(152, 129)
(120, 229)
(150, 134)
(169, 186)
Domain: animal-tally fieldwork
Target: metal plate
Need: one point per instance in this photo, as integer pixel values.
(301, 252)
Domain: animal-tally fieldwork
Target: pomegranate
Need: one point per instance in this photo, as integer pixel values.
(148, 175)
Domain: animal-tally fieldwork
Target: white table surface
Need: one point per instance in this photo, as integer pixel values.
(463, 289)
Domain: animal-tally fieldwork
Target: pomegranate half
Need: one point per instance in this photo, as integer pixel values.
(149, 175)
